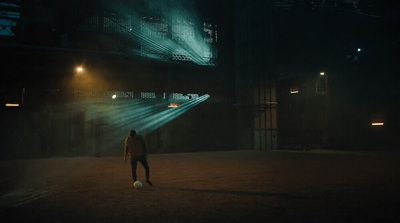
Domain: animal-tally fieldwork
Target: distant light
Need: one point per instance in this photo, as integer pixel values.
(359, 49)
(12, 105)
(377, 124)
(294, 90)
(173, 105)
(79, 69)
(114, 96)
(322, 73)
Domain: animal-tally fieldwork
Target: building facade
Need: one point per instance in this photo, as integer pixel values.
(197, 75)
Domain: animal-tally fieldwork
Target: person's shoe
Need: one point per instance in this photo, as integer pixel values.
(149, 182)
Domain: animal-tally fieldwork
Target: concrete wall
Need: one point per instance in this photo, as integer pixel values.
(255, 75)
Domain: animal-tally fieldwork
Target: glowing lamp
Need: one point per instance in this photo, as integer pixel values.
(294, 90)
(12, 105)
(79, 69)
(173, 105)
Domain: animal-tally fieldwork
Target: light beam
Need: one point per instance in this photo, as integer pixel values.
(112, 119)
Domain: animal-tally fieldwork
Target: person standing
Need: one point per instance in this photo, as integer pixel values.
(135, 146)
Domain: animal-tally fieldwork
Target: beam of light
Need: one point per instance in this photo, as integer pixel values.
(156, 44)
(136, 113)
(107, 122)
(100, 126)
(159, 119)
(377, 123)
(12, 105)
(151, 117)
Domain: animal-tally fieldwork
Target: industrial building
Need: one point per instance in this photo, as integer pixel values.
(197, 75)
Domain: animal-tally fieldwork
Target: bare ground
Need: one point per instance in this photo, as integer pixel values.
(228, 186)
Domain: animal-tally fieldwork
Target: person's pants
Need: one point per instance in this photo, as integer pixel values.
(142, 159)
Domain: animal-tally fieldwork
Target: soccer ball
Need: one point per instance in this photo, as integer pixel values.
(137, 184)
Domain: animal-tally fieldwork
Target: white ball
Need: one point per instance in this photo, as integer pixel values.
(137, 184)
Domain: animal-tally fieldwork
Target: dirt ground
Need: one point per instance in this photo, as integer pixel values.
(228, 186)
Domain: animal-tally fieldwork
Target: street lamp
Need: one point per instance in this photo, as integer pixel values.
(322, 83)
(79, 69)
(325, 92)
(77, 79)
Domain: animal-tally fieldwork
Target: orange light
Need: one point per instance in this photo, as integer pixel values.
(173, 105)
(377, 124)
(12, 105)
(79, 69)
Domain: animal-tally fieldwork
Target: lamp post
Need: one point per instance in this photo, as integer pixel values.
(325, 136)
